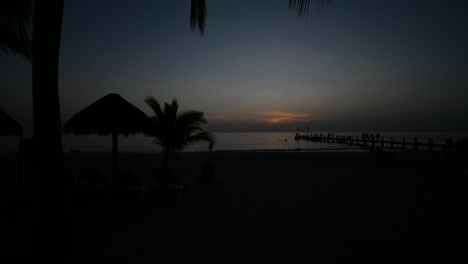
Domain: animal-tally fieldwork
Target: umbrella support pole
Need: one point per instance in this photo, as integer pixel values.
(115, 157)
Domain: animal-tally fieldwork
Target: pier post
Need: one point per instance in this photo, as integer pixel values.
(373, 140)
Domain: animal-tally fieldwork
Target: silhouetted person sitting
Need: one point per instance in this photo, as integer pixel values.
(377, 153)
(207, 173)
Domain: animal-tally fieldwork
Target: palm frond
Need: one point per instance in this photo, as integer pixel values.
(188, 124)
(191, 118)
(155, 106)
(170, 110)
(198, 13)
(16, 26)
(195, 138)
(10, 42)
(202, 136)
(175, 104)
(301, 7)
(166, 121)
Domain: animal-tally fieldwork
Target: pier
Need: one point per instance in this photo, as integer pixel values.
(371, 141)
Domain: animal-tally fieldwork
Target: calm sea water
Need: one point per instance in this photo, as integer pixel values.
(230, 141)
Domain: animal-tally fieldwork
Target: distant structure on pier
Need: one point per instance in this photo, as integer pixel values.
(371, 140)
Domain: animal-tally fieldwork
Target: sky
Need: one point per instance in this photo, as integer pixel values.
(362, 65)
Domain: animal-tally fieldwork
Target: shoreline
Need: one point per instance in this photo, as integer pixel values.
(293, 150)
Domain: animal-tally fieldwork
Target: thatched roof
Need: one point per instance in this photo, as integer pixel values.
(109, 114)
(9, 126)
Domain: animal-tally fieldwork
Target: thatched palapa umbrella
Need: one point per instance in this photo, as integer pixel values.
(109, 115)
(9, 126)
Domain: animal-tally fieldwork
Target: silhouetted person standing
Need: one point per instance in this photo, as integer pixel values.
(210, 147)
(207, 173)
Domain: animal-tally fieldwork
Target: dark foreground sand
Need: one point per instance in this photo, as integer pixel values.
(279, 206)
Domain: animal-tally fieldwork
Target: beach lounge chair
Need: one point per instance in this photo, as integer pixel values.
(167, 181)
(128, 181)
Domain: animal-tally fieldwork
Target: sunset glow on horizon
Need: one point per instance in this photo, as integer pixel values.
(276, 117)
(271, 117)
(379, 65)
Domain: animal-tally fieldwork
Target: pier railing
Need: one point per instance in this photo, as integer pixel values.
(372, 140)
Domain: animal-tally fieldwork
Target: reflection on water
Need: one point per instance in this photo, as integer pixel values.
(228, 141)
(236, 141)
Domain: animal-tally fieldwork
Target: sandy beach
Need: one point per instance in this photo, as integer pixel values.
(322, 207)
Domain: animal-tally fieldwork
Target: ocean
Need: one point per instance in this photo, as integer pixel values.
(230, 141)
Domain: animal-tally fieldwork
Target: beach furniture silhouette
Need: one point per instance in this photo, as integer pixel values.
(136, 182)
(207, 173)
(91, 176)
(166, 181)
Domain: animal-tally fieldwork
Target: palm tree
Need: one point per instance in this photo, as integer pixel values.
(49, 175)
(174, 131)
(45, 17)
(51, 195)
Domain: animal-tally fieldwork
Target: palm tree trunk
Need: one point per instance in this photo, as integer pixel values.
(51, 200)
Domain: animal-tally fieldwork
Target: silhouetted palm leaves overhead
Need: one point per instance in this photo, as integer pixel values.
(9, 126)
(198, 15)
(15, 26)
(198, 11)
(301, 7)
